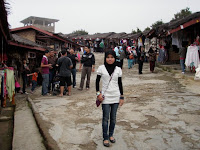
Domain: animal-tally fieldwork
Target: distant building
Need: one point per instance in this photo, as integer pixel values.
(42, 23)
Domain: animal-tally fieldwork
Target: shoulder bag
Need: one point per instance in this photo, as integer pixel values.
(98, 102)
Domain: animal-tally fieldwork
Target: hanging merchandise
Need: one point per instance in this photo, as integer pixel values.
(197, 74)
(147, 44)
(176, 40)
(7, 85)
(192, 56)
(10, 82)
(140, 42)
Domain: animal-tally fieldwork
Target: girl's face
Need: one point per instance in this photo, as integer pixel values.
(110, 59)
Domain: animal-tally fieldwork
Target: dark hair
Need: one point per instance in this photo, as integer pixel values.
(63, 52)
(46, 51)
(23, 59)
(35, 70)
(88, 46)
(59, 54)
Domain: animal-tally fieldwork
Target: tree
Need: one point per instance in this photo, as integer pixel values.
(80, 32)
(147, 29)
(137, 31)
(183, 13)
(157, 23)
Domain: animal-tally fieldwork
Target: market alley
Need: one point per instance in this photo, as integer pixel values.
(160, 112)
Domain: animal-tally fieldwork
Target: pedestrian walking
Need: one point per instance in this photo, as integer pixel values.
(152, 59)
(88, 63)
(141, 55)
(34, 79)
(118, 63)
(45, 73)
(122, 56)
(111, 94)
(74, 60)
(182, 54)
(65, 66)
(130, 57)
(25, 71)
(52, 70)
(134, 55)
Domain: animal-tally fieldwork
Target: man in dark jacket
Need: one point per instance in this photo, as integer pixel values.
(88, 62)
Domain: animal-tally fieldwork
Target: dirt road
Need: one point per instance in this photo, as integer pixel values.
(160, 112)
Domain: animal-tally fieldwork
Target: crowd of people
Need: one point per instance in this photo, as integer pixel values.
(111, 94)
(62, 69)
(134, 55)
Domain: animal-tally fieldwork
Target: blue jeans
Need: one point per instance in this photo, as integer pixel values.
(45, 83)
(130, 63)
(51, 76)
(34, 84)
(74, 76)
(182, 62)
(24, 77)
(109, 110)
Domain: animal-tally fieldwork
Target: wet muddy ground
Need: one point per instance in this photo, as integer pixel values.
(161, 111)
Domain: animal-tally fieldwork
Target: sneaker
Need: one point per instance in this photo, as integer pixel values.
(26, 93)
(80, 89)
(183, 72)
(48, 94)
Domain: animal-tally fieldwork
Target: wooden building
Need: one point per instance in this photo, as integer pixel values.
(44, 38)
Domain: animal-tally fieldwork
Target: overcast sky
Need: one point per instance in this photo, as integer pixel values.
(99, 15)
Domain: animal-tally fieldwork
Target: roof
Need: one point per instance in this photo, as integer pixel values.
(4, 26)
(52, 35)
(131, 36)
(89, 36)
(38, 19)
(22, 42)
(179, 24)
(117, 35)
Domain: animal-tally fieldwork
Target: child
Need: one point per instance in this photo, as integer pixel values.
(130, 60)
(34, 80)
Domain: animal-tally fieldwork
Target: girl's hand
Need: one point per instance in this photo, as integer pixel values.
(100, 97)
(121, 102)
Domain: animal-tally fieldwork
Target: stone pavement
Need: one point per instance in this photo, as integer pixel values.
(6, 126)
(26, 135)
(161, 111)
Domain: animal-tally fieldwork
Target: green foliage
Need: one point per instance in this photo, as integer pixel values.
(183, 13)
(137, 31)
(157, 23)
(80, 32)
(147, 29)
